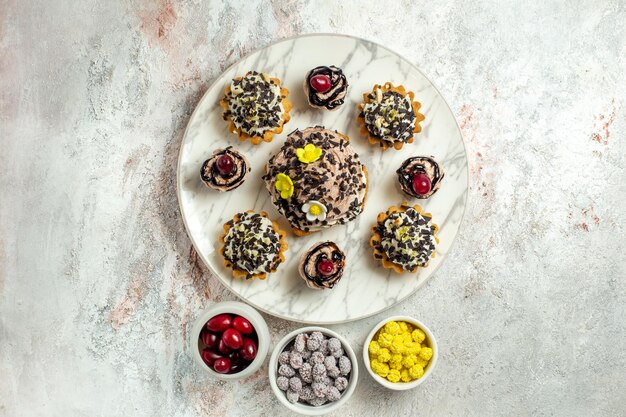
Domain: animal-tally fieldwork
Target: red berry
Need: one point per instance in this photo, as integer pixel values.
(320, 83)
(248, 350)
(209, 357)
(225, 164)
(221, 346)
(232, 339)
(222, 366)
(219, 323)
(210, 339)
(242, 325)
(326, 267)
(421, 184)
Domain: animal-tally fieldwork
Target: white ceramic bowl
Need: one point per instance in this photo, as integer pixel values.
(430, 341)
(306, 409)
(240, 309)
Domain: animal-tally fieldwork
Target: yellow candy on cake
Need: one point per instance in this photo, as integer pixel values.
(426, 353)
(384, 355)
(418, 335)
(394, 375)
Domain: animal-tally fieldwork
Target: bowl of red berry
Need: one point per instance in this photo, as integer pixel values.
(230, 340)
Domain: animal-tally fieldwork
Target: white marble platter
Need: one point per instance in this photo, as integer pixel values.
(366, 288)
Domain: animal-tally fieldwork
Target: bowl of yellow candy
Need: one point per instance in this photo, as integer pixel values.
(400, 353)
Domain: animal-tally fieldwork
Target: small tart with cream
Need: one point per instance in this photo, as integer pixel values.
(420, 176)
(252, 245)
(404, 238)
(256, 107)
(226, 170)
(322, 266)
(389, 116)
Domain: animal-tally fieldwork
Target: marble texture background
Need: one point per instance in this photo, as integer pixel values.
(98, 282)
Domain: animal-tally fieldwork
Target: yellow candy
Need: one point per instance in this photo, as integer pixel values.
(373, 348)
(421, 362)
(397, 344)
(396, 357)
(412, 348)
(394, 375)
(384, 340)
(418, 335)
(384, 355)
(416, 371)
(392, 328)
(404, 375)
(379, 368)
(408, 361)
(397, 354)
(426, 353)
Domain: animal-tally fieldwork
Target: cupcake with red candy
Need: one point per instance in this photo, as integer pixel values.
(326, 87)
(225, 170)
(322, 266)
(420, 176)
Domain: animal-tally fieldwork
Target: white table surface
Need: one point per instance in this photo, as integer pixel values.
(98, 281)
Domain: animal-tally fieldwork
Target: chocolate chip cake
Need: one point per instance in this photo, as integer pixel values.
(404, 238)
(256, 107)
(316, 180)
(252, 245)
(389, 117)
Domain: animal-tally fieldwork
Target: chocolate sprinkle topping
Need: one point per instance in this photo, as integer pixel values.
(252, 244)
(389, 116)
(407, 238)
(254, 103)
(337, 179)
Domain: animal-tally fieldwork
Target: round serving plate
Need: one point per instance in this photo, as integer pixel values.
(366, 287)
